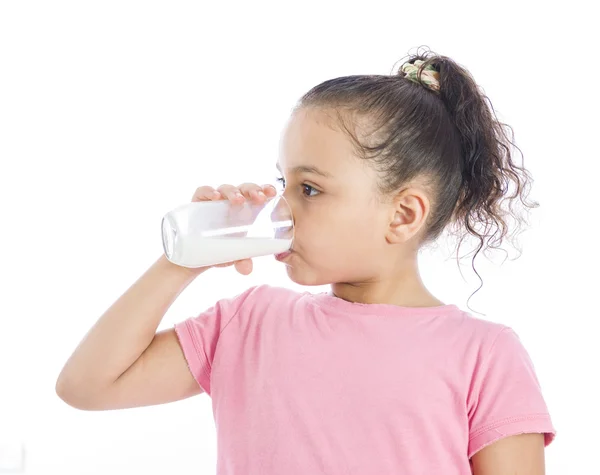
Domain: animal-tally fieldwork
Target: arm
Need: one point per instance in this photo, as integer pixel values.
(122, 361)
(521, 454)
(509, 422)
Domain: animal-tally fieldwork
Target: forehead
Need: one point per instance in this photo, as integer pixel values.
(312, 138)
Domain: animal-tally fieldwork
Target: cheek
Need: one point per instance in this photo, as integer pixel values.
(342, 228)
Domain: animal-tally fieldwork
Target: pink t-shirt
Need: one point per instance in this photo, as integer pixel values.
(306, 383)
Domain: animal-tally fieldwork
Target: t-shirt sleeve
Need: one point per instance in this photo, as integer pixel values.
(199, 336)
(506, 398)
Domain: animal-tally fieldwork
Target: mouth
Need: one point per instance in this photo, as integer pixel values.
(283, 255)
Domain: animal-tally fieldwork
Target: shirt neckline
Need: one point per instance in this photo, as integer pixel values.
(336, 303)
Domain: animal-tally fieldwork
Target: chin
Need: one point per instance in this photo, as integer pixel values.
(307, 277)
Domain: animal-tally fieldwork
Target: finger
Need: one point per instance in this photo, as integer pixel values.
(253, 192)
(244, 266)
(232, 193)
(269, 190)
(205, 193)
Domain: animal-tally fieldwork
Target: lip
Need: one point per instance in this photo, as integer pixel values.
(283, 255)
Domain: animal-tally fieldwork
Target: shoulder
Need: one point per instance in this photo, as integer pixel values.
(261, 300)
(497, 355)
(486, 345)
(268, 296)
(477, 334)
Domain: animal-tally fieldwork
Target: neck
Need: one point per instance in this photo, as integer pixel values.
(404, 288)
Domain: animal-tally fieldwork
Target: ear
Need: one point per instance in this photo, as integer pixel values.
(408, 213)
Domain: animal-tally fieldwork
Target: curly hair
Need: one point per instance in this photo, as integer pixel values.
(449, 137)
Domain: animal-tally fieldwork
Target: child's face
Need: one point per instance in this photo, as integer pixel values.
(340, 225)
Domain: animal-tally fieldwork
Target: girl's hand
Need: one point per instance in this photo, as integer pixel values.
(236, 195)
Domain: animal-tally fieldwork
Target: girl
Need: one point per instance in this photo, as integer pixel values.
(377, 376)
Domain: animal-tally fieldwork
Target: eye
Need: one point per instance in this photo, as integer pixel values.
(304, 185)
(310, 187)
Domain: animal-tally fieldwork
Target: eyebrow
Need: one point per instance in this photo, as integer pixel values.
(308, 169)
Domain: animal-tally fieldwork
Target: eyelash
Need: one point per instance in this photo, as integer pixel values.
(282, 181)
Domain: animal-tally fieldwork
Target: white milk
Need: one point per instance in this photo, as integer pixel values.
(203, 251)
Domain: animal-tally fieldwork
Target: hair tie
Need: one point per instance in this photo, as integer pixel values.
(429, 76)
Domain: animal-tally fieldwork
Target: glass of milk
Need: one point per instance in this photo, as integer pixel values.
(207, 233)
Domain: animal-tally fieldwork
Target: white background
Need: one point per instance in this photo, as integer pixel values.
(114, 112)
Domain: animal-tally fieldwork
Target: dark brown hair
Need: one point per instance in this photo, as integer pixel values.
(451, 138)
